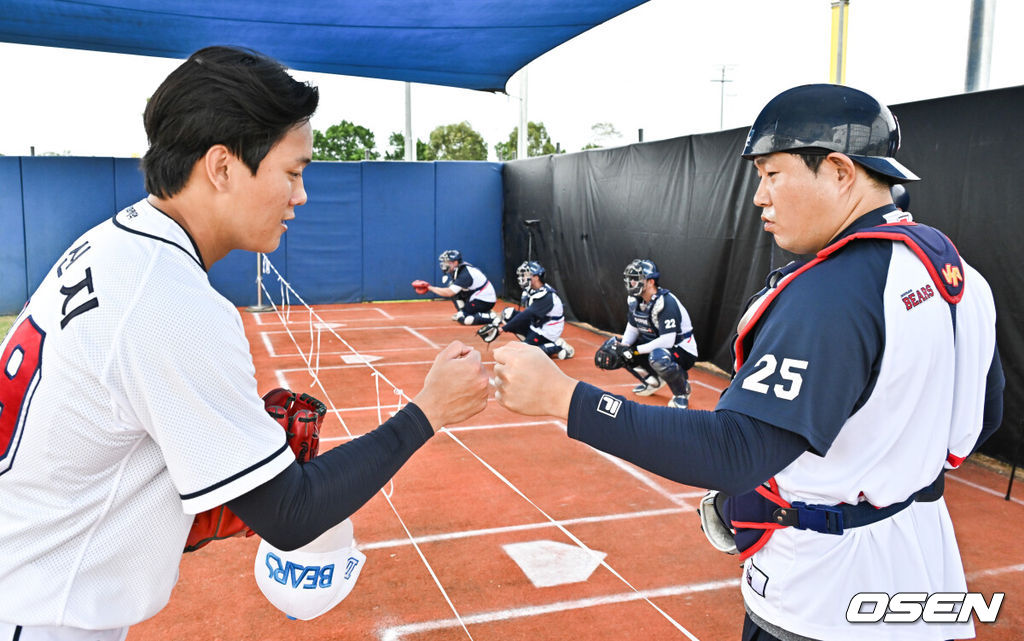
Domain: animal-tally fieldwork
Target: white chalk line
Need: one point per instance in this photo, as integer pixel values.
(538, 525)
(396, 633)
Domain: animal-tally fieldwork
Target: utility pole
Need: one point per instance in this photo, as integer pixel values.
(721, 98)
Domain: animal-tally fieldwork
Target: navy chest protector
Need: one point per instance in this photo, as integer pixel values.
(754, 516)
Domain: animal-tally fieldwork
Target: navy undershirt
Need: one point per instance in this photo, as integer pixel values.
(304, 501)
(721, 450)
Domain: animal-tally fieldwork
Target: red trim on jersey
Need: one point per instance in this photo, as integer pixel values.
(827, 252)
(772, 494)
(955, 460)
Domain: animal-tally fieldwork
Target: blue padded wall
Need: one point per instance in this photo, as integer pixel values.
(63, 198)
(13, 282)
(367, 230)
(325, 242)
(466, 220)
(398, 228)
(129, 184)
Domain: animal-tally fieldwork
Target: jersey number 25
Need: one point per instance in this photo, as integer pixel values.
(788, 371)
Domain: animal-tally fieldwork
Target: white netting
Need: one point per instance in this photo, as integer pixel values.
(286, 310)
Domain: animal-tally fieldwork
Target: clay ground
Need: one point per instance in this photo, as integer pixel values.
(502, 479)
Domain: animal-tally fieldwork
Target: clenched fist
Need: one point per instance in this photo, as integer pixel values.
(527, 381)
(455, 388)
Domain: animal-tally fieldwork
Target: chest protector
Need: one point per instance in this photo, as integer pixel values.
(756, 515)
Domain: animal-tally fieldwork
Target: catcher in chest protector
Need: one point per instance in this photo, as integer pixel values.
(467, 287)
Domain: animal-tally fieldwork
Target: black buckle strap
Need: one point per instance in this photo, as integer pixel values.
(827, 519)
(833, 519)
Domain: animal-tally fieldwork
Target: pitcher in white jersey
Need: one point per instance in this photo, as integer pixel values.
(861, 374)
(130, 401)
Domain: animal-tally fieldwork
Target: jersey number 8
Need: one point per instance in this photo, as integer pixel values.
(20, 362)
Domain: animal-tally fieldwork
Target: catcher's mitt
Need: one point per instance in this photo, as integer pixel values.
(421, 286)
(301, 417)
(609, 356)
(488, 333)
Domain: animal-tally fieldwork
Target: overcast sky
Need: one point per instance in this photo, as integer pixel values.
(652, 68)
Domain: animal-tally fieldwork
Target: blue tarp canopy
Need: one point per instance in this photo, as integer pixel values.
(473, 44)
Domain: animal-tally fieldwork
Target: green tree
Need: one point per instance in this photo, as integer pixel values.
(457, 142)
(344, 141)
(604, 133)
(538, 142)
(397, 152)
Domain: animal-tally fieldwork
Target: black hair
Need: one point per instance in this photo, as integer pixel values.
(814, 157)
(235, 97)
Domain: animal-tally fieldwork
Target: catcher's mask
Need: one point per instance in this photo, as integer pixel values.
(636, 274)
(309, 581)
(448, 259)
(527, 270)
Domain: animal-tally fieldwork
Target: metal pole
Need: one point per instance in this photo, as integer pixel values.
(259, 306)
(979, 46)
(721, 99)
(840, 18)
(523, 124)
(410, 142)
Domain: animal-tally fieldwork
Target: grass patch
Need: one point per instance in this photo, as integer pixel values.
(5, 324)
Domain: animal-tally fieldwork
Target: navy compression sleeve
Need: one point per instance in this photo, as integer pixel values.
(721, 450)
(304, 501)
(993, 414)
(520, 322)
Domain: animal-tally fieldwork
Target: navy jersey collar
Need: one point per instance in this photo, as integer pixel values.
(873, 218)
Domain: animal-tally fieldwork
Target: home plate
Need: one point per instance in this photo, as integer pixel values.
(548, 563)
(359, 358)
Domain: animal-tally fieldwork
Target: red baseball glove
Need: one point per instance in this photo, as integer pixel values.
(301, 417)
(421, 286)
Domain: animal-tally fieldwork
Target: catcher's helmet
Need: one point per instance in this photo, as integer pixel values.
(447, 257)
(900, 197)
(637, 273)
(527, 270)
(830, 118)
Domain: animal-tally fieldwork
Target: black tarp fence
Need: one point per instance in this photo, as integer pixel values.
(687, 204)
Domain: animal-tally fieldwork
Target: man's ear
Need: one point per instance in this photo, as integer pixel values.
(841, 167)
(217, 166)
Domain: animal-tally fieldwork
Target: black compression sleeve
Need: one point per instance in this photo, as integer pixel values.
(721, 450)
(304, 501)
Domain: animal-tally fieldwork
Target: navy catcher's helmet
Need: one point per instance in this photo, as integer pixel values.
(900, 197)
(637, 273)
(830, 118)
(527, 270)
(447, 257)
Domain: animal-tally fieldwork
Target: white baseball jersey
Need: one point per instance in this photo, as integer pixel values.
(858, 355)
(472, 280)
(129, 405)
